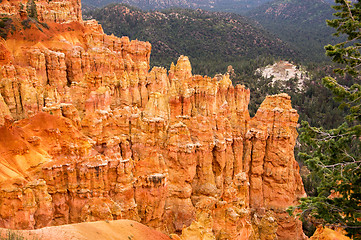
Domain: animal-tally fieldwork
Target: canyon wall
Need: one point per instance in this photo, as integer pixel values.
(89, 132)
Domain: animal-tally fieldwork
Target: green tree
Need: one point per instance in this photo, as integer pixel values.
(334, 155)
(31, 9)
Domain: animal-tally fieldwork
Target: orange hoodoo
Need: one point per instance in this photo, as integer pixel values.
(99, 136)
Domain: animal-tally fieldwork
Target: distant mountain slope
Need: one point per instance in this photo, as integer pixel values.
(239, 6)
(301, 23)
(212, 40)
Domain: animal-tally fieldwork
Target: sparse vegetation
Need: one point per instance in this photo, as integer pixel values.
(31, 9)
(44, 25)
(13, 235)
(5, 25)
(26, 23)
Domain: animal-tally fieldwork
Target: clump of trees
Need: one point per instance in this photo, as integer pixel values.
(5, 25)
(31, 9)
(334, 155)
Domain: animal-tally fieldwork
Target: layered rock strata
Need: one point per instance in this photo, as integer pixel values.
(90, 133)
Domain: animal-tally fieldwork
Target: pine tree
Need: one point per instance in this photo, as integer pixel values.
(31, 9)
(334, 155)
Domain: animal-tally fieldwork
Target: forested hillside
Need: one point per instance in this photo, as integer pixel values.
(237, 6)
(212, 40)
(300, 23)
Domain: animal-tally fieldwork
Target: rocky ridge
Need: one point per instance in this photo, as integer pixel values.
(88, 132)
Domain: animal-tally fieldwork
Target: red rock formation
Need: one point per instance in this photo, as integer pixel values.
(100, 137)
(106, 230)
(273, 173)
(328, 234)
(58, 11)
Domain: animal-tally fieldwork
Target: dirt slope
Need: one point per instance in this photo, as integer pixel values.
(119, 229)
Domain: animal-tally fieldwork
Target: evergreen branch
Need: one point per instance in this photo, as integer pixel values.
(339, 164)
(334, 154)
(350, 40)
(347, 57)
(357, 99)
(348, 155)
(329, 136)
(350, 12)
(342, 226)
(340, 85)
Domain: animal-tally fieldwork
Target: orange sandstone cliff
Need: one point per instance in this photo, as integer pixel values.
(88, 132)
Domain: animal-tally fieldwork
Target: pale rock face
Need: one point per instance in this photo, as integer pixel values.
(100, 137)
(282, 72)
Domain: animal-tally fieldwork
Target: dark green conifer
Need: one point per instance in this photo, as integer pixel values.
(334, 155)
(31, 9)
